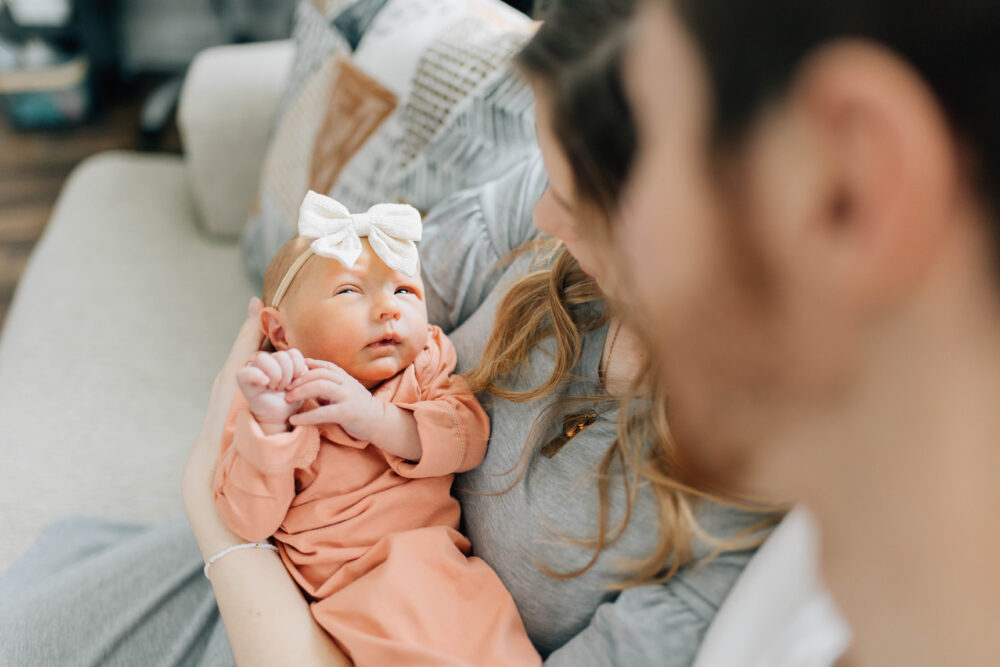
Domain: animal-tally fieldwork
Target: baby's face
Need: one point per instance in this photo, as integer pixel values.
(370, 320)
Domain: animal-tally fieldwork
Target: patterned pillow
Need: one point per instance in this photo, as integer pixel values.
(392, 100)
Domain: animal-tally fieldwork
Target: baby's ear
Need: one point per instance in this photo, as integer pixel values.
(272, 323)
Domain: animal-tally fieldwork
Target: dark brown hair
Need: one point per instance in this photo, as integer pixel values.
(752, 50)
(577, 55)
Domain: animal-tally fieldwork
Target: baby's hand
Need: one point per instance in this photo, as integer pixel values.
(342, 400)
(264, 382)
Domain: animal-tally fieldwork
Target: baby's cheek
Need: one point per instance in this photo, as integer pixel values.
(420, 340)
(336, 349)
(410, 356)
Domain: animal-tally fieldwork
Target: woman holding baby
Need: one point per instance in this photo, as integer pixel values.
(556, 517)
(581, 505)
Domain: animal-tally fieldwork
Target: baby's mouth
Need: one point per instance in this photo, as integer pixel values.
(386, 341)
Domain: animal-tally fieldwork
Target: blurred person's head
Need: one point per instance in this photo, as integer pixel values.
(813, 204)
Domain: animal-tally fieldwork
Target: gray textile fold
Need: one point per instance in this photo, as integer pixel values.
(78, 597)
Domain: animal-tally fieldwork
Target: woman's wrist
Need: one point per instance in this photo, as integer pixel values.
(256, 546)
(210, 532)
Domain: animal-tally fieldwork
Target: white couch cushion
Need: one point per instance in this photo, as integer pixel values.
(225, 115)
(427, 104)
(123, 317)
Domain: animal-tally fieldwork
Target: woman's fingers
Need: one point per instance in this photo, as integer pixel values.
(199, 469)
(248, 339)
(247, 342)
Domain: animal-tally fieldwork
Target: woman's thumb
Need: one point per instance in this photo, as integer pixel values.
(250, 337)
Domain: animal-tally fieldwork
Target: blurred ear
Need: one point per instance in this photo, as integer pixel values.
(272, 323)
(891, 167)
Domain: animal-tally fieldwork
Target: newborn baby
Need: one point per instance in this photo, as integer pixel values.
(342, 444)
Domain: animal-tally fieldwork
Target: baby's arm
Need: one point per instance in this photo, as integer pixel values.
(255, 478)
(442, 433)
(252, 503)
(453, 428)
(346, 402)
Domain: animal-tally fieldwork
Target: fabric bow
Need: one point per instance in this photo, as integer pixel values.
(392, 231)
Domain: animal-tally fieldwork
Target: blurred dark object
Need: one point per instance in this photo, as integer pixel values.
(164, 37)
(61, 72)
(104, 45)
(43, 87)
(523, 6)
(99, 46)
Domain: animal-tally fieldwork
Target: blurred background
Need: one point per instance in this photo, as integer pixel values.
(82, 76)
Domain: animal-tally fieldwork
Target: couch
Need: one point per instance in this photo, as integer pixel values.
(127, 310)
(128, 306)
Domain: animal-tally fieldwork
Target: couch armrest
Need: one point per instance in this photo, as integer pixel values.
(226, 112)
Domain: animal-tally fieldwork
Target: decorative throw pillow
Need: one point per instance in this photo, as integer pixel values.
(392, 100)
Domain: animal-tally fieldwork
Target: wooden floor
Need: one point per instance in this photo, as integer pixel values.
(34, 165)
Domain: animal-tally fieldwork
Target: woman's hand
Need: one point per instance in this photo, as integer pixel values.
(269, 622)
(196, 484)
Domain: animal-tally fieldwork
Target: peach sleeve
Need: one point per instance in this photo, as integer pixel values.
(453, 426)
(255, 477)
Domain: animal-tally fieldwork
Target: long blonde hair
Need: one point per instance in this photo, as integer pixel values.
(543, 304)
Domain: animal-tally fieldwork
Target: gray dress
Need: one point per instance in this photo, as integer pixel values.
(99, 592)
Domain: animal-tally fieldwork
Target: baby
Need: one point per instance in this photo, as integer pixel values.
(342, 444)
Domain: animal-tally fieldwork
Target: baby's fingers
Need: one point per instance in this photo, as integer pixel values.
(284, 360)
(298, 363)
(328, 365)
(325, 414)
(251, 376)
(270, 367)
(321, 390)
(318, 374)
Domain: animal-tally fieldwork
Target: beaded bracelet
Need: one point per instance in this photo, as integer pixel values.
(247, 545)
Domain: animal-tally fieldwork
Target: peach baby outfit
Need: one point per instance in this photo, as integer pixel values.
(373, 539)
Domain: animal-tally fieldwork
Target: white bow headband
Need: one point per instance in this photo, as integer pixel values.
(392, 231)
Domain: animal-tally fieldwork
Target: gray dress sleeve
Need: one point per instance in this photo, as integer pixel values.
(660, 625)
(466, 235)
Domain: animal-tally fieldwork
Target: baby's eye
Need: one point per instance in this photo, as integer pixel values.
(346, 290)
(404, 290)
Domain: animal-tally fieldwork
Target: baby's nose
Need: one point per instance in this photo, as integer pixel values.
(388, 309)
